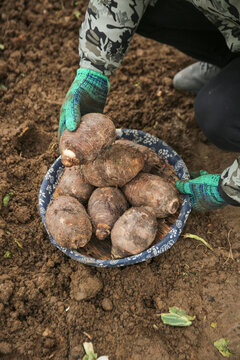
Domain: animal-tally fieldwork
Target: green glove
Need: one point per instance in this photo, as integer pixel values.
(203, 191)
(87, 93)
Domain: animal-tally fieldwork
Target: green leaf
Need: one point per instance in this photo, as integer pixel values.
(7, 255)
(2, 47)
(18, 243)
(221, 345)
(180, 312)
(90, 355)
(213, 325)
(7, 198)
(77, 14)
(177, 317)
(3, 87)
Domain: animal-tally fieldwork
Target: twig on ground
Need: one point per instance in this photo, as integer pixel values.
(230, 254)
(88, 335)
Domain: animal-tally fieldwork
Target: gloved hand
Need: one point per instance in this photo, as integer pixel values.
(203, 191)
(87, 93)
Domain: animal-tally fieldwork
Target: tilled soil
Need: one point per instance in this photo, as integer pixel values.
(42, 312)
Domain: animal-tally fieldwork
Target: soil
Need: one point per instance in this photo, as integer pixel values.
(49, 304)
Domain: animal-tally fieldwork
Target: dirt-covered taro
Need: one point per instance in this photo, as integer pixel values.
(151, 159)
(68, 222)
(74, 184)
(105, 206)
(154, 192)
(95, 133)
(115, 167)
(153, 163)
(133, 232)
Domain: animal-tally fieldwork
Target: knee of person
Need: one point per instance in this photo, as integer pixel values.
(210, 115)
(219, 119)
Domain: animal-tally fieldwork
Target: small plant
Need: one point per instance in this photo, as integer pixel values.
(192, 236)
(90, 354)
(222, 346)
(7, 198)
(7, 255)
(77, 14)
(18, 243)
(177, 317)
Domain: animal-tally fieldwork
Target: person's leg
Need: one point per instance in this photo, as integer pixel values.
(217, 105)
(217, 108)
(179, 24)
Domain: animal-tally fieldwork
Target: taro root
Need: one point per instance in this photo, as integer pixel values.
(115, 167)
(163, 230)
(153, 163)
(73, 183)
(95, 133)
(133, 232)
(105, 206)
(68, 222)
(166, 171)
(154, 192)
(151, 159)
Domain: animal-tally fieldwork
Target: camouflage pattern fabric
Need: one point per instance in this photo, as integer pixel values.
(230, 182)
(106, 32)
(225, 15)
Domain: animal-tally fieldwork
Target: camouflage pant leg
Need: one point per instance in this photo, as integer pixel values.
(106, 32)
(230, 182)
(224, 14)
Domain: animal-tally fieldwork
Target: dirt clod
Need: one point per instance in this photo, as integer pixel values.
(3, 69)
(6, 290)
(84, 286)
(22, 214)
(107, 304)
(5, 348)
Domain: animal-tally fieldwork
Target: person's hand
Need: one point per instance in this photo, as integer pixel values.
(87, 93)
(203, 191)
